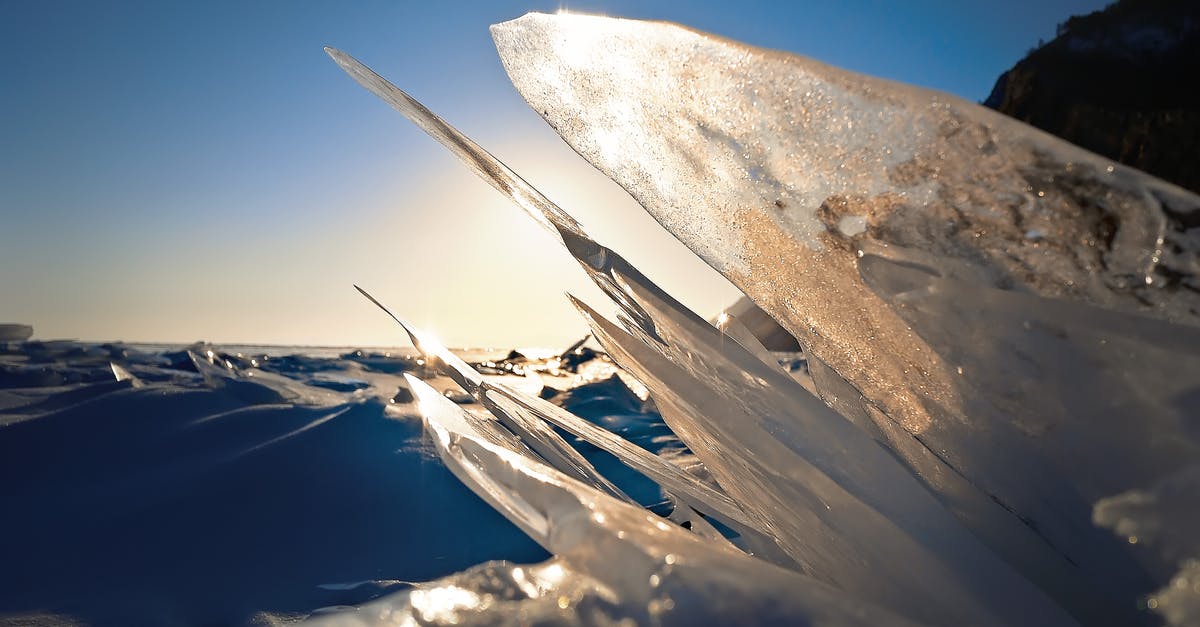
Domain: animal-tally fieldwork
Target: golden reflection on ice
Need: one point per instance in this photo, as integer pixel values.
(528, 587)
(537, 581)
(427, 343)
(553, 574)
(443, 604)
(428, 402)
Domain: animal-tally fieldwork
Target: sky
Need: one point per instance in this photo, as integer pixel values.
(182, 171)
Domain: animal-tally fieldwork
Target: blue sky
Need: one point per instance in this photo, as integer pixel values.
(182, 171)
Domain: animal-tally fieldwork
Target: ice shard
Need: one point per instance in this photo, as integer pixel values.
(662, 472)
(1002, 327)
(613, 561)
(755, 159)
(837, 503)
(523, 415)
(869, 218)
(808, 538)
(518, 420)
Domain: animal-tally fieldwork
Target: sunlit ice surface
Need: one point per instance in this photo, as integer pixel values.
(945, 271)
(944, 268)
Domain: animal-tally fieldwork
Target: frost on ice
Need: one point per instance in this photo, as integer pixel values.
(1001, 331)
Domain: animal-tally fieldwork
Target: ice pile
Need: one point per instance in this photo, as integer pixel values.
(1001, 331)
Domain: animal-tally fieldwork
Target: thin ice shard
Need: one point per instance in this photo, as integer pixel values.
(527, 412)
(431, 349)
(662, 472)
(490, 169)
(527, 427)
(644, 569)
(836, 503)
(523, 415)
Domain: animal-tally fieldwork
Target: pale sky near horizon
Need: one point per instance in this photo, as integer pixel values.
(171, 172)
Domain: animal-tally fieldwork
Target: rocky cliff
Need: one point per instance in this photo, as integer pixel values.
(1122, 82)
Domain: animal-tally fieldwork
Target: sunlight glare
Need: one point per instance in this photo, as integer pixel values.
(442, 604)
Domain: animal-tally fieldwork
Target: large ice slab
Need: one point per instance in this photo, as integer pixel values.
(1003, 329)
(978, 290)
(775, 169)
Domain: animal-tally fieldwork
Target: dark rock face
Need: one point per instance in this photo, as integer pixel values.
(1120, 82)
